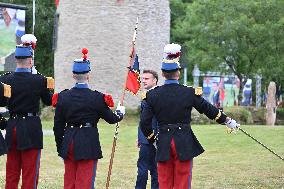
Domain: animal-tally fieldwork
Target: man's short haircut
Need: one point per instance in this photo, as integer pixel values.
(24, 61)
(81, 78)
(154, 73)
(171, 75)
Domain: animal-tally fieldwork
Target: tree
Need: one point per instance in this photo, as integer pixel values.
(232, 33)
(274, 59)
(178, 12)
(45, 10)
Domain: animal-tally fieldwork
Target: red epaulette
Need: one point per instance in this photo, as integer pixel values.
(54, 99)
(108, 100)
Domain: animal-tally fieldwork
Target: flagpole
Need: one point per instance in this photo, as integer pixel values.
(33, 16)
(33, 31)
(131, 56)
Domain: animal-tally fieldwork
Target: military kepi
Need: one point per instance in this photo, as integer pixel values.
(25, 50)
(82, 65)
(171, 57)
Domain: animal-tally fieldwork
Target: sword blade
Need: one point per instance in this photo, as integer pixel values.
(246, 133)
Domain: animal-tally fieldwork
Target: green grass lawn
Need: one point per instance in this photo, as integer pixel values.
(229, 161)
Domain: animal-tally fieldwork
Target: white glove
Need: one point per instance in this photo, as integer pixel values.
(34, 71)
(232, 124)
(120, 108)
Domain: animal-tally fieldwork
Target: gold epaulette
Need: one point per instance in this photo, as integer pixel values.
(50, 82)
(218, 116)
(7, 90)
(198, 91)
(143, 95)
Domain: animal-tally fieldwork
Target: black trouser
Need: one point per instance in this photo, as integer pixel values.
(147, 162)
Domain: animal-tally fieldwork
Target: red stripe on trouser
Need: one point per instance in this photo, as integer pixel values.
(174, 173)
(26, 161)
(78, 174)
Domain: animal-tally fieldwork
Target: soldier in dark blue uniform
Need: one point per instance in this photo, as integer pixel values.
(77, 113)
(5, 90)
(24, 135)
(171, 104)
(147, 153)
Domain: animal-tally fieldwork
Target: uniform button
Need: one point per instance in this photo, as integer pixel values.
(168, 129)
(81, 126)
(24, 117)
(71, 126)
(179, 127)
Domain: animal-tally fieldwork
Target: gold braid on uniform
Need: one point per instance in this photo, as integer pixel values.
(143, 95)
(176, 60)
(218, 116)
(150, 136)
(198, 91)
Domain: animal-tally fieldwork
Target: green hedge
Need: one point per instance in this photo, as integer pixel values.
(242, 114)
(280, 116)
(280, 113)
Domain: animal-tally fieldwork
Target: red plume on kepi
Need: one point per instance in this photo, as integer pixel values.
(85, 52)
(82, 65)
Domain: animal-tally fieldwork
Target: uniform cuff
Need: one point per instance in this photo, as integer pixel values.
(220, 117)
(151, 138)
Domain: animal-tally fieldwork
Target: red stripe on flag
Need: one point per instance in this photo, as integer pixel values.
(132, 82)
(56, 3)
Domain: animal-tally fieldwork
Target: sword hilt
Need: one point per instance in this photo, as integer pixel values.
(233, 130)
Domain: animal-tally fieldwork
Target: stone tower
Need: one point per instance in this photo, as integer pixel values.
(106, 27)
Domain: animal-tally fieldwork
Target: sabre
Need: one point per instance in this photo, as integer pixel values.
(121, 101)
(246, 133)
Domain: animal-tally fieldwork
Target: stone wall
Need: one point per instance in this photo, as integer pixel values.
(10, 63)
(106, 28)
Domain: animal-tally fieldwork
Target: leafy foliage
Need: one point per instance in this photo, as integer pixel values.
(243, 37)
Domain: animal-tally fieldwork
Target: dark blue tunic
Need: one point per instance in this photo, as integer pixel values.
(81, 105)
(171, 104)
(27, 90)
